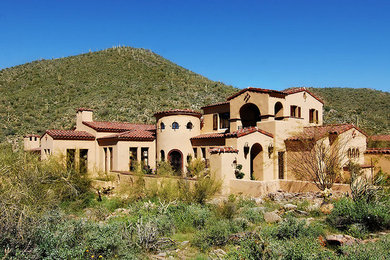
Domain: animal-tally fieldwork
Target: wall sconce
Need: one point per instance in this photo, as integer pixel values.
(270, 150)
(246, 149)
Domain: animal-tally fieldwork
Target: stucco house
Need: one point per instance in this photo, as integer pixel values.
(254, 127)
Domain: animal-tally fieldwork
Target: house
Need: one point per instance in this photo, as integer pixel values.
(254, 128)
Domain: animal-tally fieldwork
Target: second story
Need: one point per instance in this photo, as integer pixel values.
(264, 108)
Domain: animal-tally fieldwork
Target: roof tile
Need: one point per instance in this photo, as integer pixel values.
(70, 135)
(118, 127)
(318, 132)
(223, 149)
(132, 135)
(297, 90)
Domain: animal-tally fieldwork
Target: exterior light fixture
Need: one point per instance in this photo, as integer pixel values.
(270, 150)
(246, 149)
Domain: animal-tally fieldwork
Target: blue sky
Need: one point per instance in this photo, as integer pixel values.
(268, 44)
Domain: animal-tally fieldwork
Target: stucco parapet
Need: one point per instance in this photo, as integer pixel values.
(223, 149)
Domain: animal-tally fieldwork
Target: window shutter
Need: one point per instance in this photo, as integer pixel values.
(215, 122)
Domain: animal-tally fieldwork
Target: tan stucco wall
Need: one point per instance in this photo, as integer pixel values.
(306, 104)
(251, 139)
(59, 147)
(222, 166)
(170, 139)
(380, 162)
(33, 144)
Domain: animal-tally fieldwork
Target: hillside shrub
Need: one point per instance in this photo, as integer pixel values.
(293, 228)
(373, 215)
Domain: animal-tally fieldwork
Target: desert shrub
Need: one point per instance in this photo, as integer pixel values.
(164, 168)
(252, 214)
(189, 217)
(29, 188)
(373, 215)
(293, 227)
(216, 233)
(371, 250)
(301, 248)
(205, 187)
(251, 247)
(228, 208)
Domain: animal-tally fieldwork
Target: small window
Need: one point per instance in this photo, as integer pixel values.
(162, 153)
(224, 120)
(311, 115)
(190, 125)
(215, 122)
(175, 125)
(145, 156)
(195, 152)
(203, 153)
(357, 153)
(293, 111)
(162, 126)
(299, 112)
(349, 153)
(30, 138)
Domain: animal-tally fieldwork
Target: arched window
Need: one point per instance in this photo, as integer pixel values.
(162, 153)
(353, 153)
(175, 125)
(278, 110)
(162, 126)
(190, 125)
(249, 115)
(357, 153)
(349, 153)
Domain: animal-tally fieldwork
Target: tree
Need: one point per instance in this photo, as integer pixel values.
(319, 161)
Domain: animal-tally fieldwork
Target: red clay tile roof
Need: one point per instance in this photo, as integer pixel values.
(248, 130)
(216, 104)
(380, 138)
(223, 149)
(235, 134)
(258, 90)
(117, 127)
(297, 90)
(178, 112)
(32, 135)
(84, 109)
(132, 135)
(209, 136)
(318, 132)
(378, 151)
(70, 135)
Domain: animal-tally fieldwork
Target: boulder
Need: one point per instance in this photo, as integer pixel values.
(327, 208)
(289, 206)
(340, 240)
(272, 217)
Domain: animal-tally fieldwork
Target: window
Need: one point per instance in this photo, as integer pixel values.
(175, 125)
(299, 112)
(203, 152)
(293, 111)
(70, 158)
(190, 125)
(83, 159)
(145, 156)
(357, 153)
(133, 158)
(111, 158)
(215, 122)
(349, 153)
(316, 118)
(224, 120)
(195, 152)
(162, 155)
(311, 115)
(281, 165)
(162, 126)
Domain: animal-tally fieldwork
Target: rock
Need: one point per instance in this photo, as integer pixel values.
(340, 240)
(289, 206)
(217, 254)
(301, 212)
(327, 208)
(276, 196)
(259, 209)
(258, 200)
(272, 217)
(162, 254)
(185, 243)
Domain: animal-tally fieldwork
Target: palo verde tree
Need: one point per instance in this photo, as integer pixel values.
(317, 159)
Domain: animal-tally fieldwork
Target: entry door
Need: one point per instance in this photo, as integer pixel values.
(281, 164)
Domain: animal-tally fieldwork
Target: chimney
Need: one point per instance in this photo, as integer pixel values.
(83, 115)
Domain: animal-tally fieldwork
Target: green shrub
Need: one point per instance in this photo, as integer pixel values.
(251, 247)
(293, 228)
(373, 215)
(371, 250)
(215, 234)
(252, 214)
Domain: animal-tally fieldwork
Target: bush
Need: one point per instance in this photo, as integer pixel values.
(373, 215)
(293, 228)
(215, 234)
(251, 247)
(372, 250)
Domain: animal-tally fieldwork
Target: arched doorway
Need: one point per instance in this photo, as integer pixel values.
(175, 158)
(257, 162)
(250, 115)
(278, 111)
